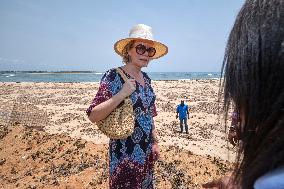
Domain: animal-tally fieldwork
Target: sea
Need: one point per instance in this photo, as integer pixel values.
(86, 76)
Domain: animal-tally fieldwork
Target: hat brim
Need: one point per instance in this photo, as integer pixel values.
(161, 49)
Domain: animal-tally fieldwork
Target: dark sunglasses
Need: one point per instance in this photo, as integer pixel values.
(141, 49)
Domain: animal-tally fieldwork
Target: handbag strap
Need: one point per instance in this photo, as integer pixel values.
(120, 72)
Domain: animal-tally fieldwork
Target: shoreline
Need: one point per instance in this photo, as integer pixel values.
(88, 82)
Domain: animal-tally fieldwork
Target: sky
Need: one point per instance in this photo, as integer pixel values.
(56, 35)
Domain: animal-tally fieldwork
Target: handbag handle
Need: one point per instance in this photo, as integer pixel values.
(120, 72)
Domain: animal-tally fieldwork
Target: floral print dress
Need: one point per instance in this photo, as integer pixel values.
(131, 161)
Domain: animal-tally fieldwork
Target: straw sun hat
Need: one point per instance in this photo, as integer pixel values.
(141, 32)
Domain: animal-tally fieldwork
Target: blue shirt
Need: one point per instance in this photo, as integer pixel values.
(182, 111)
(271, 180)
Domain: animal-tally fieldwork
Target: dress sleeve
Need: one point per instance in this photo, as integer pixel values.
(105, 91)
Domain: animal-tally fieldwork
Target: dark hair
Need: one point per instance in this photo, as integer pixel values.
(126, 58)
(253, 70)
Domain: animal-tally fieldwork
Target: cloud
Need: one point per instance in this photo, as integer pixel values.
(10, 61)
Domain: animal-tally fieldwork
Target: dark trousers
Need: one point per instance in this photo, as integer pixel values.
(181, 121)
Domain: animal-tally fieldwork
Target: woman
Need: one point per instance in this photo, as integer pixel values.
(131, 159)
(254, 80)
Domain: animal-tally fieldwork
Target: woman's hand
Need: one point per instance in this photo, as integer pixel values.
(221, 183)
(233, 137)
(102, 110)
(128, 88)
(155, 151)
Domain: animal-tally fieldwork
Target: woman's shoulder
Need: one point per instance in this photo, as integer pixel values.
(145, 74)
(111, 71)
(146, 77)
(109, 75)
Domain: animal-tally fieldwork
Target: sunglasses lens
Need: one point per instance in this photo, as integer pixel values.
(151, 51)
(140, 49)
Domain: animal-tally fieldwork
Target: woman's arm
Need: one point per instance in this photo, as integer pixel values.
(225, 182)
(102, 110)
(154, 135)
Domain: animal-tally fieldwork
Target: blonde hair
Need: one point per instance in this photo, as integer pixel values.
(125, 56)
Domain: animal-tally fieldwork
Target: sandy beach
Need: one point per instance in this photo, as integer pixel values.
(46, 140)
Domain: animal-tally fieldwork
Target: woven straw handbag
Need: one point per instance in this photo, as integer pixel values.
(119, 124)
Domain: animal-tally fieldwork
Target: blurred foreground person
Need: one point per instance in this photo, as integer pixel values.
(253, 72)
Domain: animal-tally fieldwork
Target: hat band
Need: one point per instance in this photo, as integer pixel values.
(143, 35)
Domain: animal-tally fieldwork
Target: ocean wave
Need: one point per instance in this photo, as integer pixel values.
(8, 75)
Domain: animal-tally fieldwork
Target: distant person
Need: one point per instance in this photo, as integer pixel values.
(132, 159)
(253, 81)
(183, 115)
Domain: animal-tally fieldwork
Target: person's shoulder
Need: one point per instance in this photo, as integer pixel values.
(146, 76)
(111, 71)
(271, 180)
(109, 74)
